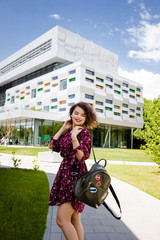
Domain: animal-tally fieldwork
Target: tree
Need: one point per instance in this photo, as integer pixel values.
(150, 133)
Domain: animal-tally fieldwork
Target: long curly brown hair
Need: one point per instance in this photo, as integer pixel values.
(91, 118)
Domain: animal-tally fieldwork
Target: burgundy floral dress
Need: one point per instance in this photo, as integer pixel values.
(61, 191)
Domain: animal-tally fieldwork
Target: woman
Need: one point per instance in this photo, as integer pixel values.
(73, 141)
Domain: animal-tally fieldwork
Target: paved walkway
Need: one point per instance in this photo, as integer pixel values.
(140, 211)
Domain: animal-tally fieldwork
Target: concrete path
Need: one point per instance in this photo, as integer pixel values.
(140, 211)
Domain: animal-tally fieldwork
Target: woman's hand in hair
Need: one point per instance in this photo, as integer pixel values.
(67, 125)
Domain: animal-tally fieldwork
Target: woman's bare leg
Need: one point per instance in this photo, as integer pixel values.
(76, 221)
(64, 215)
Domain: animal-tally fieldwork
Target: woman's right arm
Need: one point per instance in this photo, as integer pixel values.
(65, 127)
(54, 143)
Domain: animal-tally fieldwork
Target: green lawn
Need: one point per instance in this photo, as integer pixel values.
(134, 155)
(30, 151)
(24, 204)
(145, 178)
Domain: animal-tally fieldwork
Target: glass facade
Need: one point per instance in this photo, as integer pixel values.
(37, 132)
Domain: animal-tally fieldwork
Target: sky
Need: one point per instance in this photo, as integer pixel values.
(129, 28)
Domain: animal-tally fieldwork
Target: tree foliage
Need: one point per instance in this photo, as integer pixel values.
(150, 133)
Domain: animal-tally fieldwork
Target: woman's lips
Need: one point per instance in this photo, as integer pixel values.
(77, 120)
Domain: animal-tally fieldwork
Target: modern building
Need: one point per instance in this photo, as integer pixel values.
(41, 81)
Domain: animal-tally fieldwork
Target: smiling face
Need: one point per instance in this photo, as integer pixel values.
(78, 117)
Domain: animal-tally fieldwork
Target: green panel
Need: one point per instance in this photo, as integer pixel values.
(21, 98)
(102, 80)
(52, 107)
(72, 79)
(39, 89)
(8, 99)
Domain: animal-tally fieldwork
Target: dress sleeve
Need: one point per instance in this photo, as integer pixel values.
(54, 144)
(85, 143)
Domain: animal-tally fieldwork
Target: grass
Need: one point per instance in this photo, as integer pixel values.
(24, 204)
(145, 178)
(116, 154)
(33, 151)
(133, 155)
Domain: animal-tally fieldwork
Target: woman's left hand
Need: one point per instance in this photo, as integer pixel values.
(75, 131)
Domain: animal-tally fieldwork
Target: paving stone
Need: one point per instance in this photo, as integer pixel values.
(108, 228)
(119, 236)
(96, 236)
(55, 236)
(91, 222)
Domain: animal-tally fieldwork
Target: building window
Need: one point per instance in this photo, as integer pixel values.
(138, 115)
(99, 110)
(117, 107)
(125, 105)
(109, 86)
(117, 114)
(138, 109)
(47, 90)
(138, 90)
(62, 102)
(124, 112)
(40, 83)
(55, 85)
(89, 72)
(100, 79)
(99, 87)
(125, 85)
(27, 57)
(109, 101)
(46, 108)
(40, 89)
(133, 97)
(54, 100)
(99, 103)
(72, 71)
(132, 90)
(12, 99)
(72, 79)
(39, 103)
(28, 87)
(27, 106)
(33, 93)
(108, 109)
(55, 78)
(117, 92)
(90, 80)
(89, 96)
(17, 91)
(71, 96)
(131, 110)
(109, 79)
(62, 109)
(54, 107)
(71, 104)
(63, 84)
(117, 85)
(125, 91)
(132, 116)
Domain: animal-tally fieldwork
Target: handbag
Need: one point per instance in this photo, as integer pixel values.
(92, 187)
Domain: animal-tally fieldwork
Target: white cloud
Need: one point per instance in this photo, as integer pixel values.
(146, 36)
(55, 16)
(130, 1)
(149, 80)
(144, 14)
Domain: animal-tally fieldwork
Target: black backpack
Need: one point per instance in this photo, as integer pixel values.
(92, 187)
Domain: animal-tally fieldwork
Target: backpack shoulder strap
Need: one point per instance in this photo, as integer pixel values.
(117, 201)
